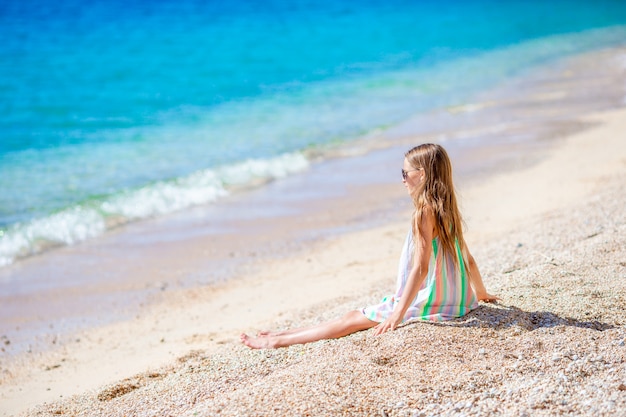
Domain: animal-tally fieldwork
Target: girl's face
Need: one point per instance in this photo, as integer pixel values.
(412, 178)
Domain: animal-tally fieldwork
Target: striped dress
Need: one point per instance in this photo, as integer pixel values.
(445, 294)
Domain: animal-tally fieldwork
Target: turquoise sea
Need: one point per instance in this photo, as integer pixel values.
(112, 112)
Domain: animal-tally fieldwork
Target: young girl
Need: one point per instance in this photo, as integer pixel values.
(437, 279)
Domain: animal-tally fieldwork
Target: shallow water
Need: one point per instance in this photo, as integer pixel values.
(114, 113)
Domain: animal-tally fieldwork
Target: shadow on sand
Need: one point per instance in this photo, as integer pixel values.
(498, 316)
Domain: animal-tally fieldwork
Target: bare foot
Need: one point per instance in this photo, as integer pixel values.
(262, 342)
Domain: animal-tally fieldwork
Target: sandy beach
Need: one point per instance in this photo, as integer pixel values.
(548, 233)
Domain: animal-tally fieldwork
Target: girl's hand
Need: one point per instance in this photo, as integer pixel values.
(488, 298)
(388, 325)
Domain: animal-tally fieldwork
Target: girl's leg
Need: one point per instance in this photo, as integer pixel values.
(265, 333)
(352, 322)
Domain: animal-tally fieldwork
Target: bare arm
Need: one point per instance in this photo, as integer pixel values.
(476, 281)
(423, 252)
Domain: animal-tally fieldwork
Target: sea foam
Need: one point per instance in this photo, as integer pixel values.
(92, 218)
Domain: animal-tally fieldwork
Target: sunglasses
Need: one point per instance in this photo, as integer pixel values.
(406, 173)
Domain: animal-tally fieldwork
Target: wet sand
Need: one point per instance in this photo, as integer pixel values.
(184, 284)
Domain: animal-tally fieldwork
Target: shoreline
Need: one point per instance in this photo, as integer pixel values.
(75, 356)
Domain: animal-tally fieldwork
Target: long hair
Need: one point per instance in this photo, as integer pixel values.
(437, 193)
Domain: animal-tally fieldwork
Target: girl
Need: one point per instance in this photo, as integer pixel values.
(437, 279)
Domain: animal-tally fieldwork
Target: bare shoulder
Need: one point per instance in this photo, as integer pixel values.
(427, 223)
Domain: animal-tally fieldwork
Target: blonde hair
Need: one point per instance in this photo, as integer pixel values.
(437, 194)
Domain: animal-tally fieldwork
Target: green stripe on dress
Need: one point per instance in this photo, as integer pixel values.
(443, 281)
(462, 271)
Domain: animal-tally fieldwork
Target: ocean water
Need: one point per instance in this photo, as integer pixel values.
(112, 112)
